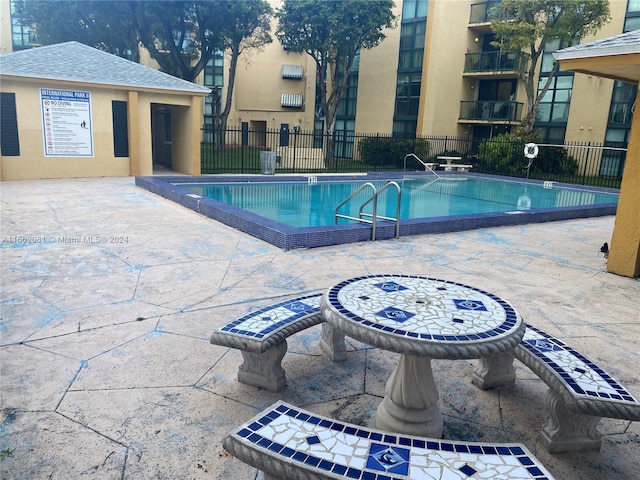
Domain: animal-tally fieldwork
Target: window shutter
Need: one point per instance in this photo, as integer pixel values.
(120, 129)
(9, 141)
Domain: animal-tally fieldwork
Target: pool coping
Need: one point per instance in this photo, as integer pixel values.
(289, 238)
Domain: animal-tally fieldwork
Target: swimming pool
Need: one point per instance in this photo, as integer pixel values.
(282, 210)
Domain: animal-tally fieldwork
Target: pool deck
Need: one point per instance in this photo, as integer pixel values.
(110, 294)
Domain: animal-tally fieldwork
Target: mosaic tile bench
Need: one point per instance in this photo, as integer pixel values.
(287, 442)
(580, 393)
(261, 338)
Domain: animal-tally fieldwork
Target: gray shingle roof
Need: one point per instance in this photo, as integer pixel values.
(73, 61)
(624, 43)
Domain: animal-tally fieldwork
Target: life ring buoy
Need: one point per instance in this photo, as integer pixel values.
(524, 202)
(531, 150)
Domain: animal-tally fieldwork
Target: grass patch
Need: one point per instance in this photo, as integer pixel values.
(6, 453)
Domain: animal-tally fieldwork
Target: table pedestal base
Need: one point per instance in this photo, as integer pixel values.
(410, 403)
(495, 371)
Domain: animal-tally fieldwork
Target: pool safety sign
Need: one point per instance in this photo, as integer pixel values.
(66, 123)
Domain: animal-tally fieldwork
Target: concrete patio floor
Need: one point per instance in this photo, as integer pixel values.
(111, 293)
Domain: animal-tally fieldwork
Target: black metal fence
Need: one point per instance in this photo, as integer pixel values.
(243, 151)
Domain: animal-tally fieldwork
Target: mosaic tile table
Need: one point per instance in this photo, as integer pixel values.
(420, 318)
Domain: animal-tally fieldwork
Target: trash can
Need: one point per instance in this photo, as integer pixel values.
(268, 163)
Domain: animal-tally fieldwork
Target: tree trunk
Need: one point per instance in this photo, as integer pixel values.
(534, 98)
(223, 117)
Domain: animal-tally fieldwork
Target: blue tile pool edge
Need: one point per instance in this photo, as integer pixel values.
(288, 238)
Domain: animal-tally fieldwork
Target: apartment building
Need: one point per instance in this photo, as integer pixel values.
(436, 74)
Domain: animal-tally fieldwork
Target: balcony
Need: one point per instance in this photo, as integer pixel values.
(491, 64)
(491, 111)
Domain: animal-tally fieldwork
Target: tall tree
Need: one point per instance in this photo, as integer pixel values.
(247, 27)
(181, 36)
(525, 26)
(332, 33)
(101, 24)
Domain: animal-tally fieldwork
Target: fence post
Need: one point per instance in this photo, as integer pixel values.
(242, 147)
(214, 147)
(586, 163)
(295, 147)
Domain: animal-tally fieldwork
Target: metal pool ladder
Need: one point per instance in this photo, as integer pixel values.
(427, 166)
(372, 218)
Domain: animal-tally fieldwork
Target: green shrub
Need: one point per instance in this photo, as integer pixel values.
(504, 154)
(554, 160)
(390, 152)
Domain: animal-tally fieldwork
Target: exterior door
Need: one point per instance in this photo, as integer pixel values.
(161, 135)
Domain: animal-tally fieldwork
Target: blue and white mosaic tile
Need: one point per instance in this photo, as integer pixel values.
(356, 452)
(583, 376)
(423, 308)
(263, 322)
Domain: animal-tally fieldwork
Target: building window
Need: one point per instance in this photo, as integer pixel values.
(348, 102)
(345, 126)
(612, 164)
(624, 95)
(412, 38)
(344, 137)
(553, 109)
(410, 58)
(620, 111)
(120, 129)
(318, 133)
(214, 78)
(404, 128)
(9, 140)
(22, 36)
(553, 135)
(414, 9)
(554, 106)
(318, 115)
(632, 19)
(408, 94)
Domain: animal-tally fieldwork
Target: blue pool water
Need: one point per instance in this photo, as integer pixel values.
(301, 204)
(289, 212)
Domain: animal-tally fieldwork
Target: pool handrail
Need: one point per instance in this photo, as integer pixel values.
(355, 192)
(374, 216)
(424, 164)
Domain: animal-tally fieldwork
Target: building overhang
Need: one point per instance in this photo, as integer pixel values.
(625, 68)
(84, 84)
(616, 58)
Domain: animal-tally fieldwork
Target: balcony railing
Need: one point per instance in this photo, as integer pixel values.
(491, 111)
(481, 12)
(486, 62)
